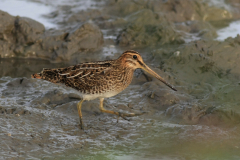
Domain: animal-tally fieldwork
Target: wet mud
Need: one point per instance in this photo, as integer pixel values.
(39, 120)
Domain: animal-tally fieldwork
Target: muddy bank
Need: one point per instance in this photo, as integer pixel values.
(42, 118)
(39, 120)
(208, 72)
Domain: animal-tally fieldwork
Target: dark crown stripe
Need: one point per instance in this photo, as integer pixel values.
(130, 51)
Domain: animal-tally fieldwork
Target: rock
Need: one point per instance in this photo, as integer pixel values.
(201, 29)
(62, 45)
(202, 61)
(175, 11)
(124, 7)
(146, 28)
(166, 13)
(84, 15)
(27, 31)
(24, 37)
(6, 27)
(145, 17)
(86, 37)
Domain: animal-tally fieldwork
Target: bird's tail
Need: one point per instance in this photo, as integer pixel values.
(37, 75)
(47, 74)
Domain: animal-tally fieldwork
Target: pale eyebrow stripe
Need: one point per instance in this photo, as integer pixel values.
(131, 62)
(130, 59)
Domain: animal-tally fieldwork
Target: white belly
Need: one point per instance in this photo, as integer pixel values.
(100, 95)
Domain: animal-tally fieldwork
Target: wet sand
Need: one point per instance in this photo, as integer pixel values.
(39, 120)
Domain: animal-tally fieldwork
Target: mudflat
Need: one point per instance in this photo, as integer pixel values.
(177, 39)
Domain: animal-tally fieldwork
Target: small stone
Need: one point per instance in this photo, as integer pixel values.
(176, 54)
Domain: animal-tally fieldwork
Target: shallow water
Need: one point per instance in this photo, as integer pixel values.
(200, 121)
(231, 31)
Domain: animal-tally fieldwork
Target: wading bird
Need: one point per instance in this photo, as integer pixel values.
(101, 79)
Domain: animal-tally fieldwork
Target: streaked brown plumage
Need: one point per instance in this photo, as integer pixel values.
(99, 79)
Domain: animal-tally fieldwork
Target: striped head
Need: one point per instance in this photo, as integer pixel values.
(132, 59)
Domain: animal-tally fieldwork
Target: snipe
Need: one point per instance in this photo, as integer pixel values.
(101, 79)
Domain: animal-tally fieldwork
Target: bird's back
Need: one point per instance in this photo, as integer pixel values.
(105, 78)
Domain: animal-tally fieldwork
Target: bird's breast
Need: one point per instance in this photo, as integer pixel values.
(107, 85)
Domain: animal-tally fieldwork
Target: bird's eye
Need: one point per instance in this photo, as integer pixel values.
(134, 57)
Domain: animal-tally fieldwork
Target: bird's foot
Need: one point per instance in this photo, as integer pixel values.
(124, 115)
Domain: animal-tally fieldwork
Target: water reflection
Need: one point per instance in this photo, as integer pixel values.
(24, 67)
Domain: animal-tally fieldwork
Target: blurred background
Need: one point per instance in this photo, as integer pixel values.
(193, 44)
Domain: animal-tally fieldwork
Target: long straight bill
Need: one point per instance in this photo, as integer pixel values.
(147, 69)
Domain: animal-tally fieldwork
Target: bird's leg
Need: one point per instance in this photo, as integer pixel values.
(123, 115)
(79, 106)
